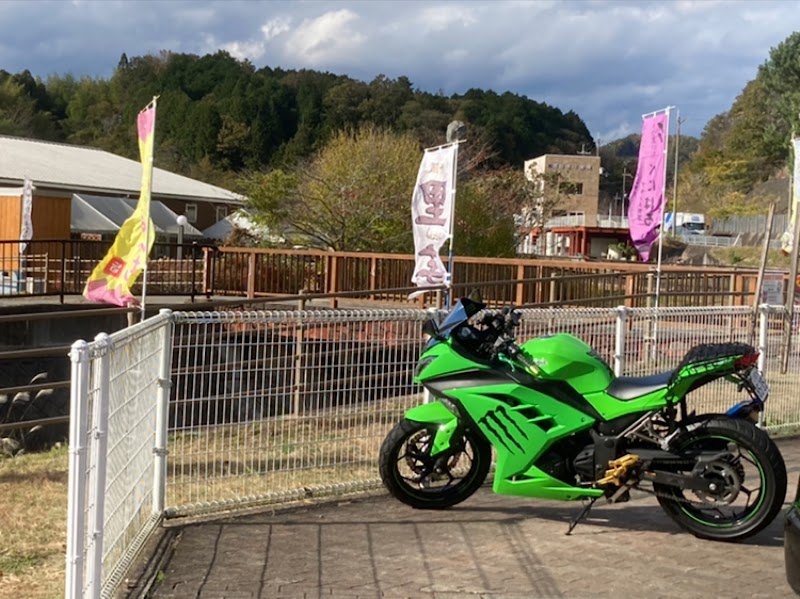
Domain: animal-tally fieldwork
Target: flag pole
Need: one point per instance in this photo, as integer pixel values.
(449, 290)
(791, 283)
(661, 215)
(148, 166)
(654, 336)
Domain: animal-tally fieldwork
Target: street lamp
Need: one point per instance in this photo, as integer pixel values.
(182, 222)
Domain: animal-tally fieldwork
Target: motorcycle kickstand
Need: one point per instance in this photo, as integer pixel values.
(587, 506)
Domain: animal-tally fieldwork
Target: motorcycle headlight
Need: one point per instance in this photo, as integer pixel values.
(422, 364)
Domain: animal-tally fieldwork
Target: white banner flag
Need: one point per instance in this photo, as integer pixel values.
(26, 225)
(432, 214)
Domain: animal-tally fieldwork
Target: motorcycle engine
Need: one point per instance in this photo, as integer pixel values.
(584, 463)
(556, 466)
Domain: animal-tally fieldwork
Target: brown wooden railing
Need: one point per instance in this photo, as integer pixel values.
(61, 267)
(385, 277)
(58, 267)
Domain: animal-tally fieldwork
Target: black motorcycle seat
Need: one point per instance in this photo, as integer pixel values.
(631, 387)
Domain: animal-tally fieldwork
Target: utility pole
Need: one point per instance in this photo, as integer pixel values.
(625, 174)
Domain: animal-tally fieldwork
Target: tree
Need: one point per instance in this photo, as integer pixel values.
(16, 109)
(487, 203)
(354, 195)
(21, 108)
(781, 77)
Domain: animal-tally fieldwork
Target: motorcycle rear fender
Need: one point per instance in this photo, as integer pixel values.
(443, 420)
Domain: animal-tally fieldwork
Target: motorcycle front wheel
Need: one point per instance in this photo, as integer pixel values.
(420, 480)
(751, 482)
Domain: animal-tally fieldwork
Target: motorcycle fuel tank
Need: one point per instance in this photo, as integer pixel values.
(563, 357)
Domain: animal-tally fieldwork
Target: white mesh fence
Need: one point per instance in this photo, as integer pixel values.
(111, 508)
(644, 341)
(273, 406)
(782, 372)
(277, 406)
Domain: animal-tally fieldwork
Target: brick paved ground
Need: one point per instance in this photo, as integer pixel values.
(488, 547)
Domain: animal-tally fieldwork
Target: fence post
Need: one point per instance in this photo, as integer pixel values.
(333, 281)
(298, 359)
(630, 289)
(373, 272)
(97, 483)
(76, 500)
(520, 291)
(763, 332)
(160, 450)
(619, 341)
(63, 270)
(251, 275)
(731, 302)
(208, 269)
(194, 281)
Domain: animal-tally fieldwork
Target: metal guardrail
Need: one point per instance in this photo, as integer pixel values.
(711, 240)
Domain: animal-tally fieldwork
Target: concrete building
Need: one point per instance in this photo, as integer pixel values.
(580, 178)
(574, 226)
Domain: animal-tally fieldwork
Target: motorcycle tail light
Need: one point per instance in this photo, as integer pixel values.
(746, 361)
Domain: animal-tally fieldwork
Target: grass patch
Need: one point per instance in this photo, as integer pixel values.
(750, 257)
(33, 524)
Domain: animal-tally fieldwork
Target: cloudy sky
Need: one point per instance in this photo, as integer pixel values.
(610, 61)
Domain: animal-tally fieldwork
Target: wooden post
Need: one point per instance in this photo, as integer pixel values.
(630, 289)
(251, 275)
(762, 267)
(373, 266)
(334, 280)
(207, 270)
(733, 283)
(520, 295)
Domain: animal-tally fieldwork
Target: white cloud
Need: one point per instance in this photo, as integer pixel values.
(327, 39)
(438, 18)
(608, 60)
(274, 27)
(251, 51)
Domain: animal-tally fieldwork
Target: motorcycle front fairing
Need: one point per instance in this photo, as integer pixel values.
(520, 416)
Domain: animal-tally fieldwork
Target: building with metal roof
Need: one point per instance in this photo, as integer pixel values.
(104, 216)
(60, 170)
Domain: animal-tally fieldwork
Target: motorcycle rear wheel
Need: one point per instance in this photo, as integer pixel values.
(423, 481)
(753, 482)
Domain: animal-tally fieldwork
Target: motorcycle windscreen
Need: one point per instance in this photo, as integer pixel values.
(461, 313)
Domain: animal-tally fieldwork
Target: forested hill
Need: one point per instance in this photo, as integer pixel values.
(220, 115)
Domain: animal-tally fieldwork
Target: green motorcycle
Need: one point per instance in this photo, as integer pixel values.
(564, 427)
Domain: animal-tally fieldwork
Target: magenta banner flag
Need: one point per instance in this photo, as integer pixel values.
(646, 207)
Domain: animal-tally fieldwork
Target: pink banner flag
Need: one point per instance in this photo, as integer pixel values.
(646, 207)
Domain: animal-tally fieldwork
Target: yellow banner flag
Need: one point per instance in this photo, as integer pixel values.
(113, 277)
